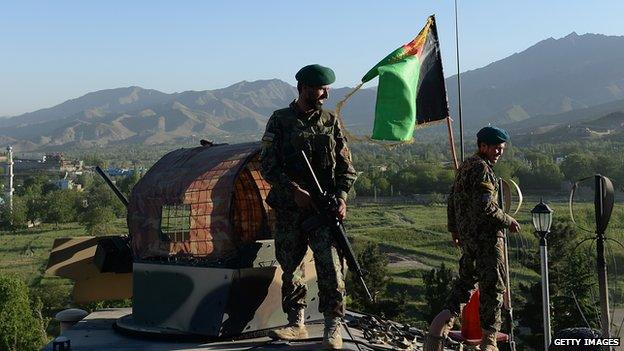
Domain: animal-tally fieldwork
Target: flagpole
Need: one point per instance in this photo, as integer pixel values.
(449, 122)
(461, 123)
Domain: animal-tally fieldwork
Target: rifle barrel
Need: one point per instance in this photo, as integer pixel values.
(335, 224)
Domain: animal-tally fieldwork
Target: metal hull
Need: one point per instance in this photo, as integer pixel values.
(216, 302)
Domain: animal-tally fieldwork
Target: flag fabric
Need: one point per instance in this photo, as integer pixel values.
(411, 87)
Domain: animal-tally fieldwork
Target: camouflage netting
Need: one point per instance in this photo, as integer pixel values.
(202, 203)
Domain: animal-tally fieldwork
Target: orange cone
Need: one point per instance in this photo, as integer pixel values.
(470, 332)
(470, 323)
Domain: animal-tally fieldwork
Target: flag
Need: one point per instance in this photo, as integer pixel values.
(411, 87)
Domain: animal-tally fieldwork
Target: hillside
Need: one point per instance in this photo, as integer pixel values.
(607, 127)
(553, 83)
(551, 77)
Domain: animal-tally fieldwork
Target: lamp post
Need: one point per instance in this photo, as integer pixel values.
(542, 219)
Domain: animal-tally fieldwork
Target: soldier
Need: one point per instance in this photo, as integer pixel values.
(477, 225)
(304, 125)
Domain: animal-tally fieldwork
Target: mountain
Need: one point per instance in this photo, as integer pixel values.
(550, 85)
(137, 115)
(550, 77)
(92, 105)
(542, 123)
(607, 127)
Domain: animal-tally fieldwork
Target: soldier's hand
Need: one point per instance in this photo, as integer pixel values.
(514, 227)
(302, 198)
(455, 236)
(341, 212)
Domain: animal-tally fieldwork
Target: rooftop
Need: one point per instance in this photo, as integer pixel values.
(97, 332)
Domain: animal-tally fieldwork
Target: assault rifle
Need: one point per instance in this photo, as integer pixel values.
(327, 204)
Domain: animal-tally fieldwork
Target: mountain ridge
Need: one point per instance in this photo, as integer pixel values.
(548, 84)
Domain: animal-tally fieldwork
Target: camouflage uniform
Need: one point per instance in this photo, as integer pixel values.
(319, 134)
(474, 214)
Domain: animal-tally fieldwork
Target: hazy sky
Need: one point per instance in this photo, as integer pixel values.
(52, 51)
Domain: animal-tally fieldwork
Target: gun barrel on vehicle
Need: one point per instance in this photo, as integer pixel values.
(326, 205)
(113, 187)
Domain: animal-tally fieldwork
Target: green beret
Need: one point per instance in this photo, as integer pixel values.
(315, 75)
(492, 136)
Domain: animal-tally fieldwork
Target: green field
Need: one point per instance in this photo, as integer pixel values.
(413, 236)
(24, 254)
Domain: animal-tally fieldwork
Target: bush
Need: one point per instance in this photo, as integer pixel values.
(14, 219)
(377, 279)
(436, 199)
(98, 220)
(20, 329)
(437, 284)
(376, 265)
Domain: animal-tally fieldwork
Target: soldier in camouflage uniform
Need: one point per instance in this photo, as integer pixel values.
(304, 125)
(477, 225)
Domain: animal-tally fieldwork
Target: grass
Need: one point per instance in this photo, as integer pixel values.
(416, 232)
(419, 232)
(24, 253)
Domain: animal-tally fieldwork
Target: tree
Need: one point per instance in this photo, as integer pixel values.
(437, 284)
(577, 166)
(363, 185)
(60, 206)
(377, 279)
(35, 205)
(375, 264)
(16, 218)
(98, 220)
(575, 283)
(85, 180)
(571, 285)
(20, 328)
(100, 195)
(95, 160)
(406, 182)
(382, 184)
(545, 176)
(32, 185)
(127, 183)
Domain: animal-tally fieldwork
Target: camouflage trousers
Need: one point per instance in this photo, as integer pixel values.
(483, 264)
(291, 245)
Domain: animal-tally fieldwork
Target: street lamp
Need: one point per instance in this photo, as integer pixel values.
(542, 219)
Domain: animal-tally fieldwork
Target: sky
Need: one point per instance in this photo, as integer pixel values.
(53, 51)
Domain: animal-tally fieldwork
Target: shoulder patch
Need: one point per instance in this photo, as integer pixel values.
(268, 137)
(487, 186)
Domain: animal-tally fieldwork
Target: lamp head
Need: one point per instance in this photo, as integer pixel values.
(542, 217)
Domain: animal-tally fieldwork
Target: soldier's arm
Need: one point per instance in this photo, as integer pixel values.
(487, 199)
(344, 172)
(271, 166)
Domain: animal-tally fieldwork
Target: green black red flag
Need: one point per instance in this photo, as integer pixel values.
(411, 87)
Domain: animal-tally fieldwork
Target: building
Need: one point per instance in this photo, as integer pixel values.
(6, 171)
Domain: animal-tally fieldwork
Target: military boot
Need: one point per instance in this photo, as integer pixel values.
(332, 337)
(438, 331)
(295, 330)
(488, 341)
